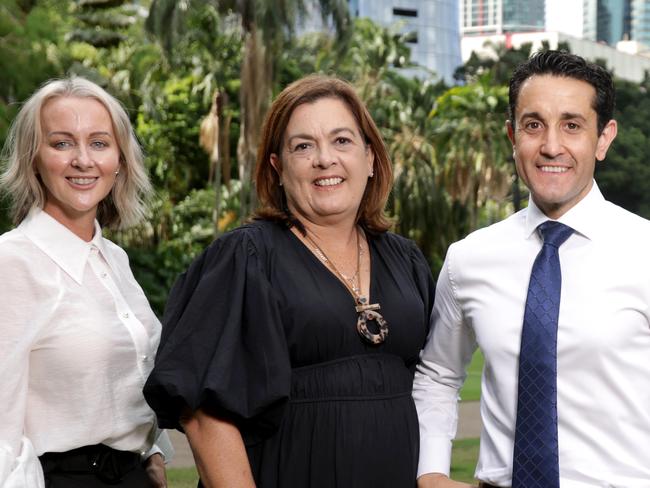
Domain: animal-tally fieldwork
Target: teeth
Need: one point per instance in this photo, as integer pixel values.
(554, 169)
(82, 181)
(329, 181)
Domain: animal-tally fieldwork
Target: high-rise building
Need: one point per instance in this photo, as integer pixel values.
(433, 25)
(607, 21)
(640, 21)
(485, 17)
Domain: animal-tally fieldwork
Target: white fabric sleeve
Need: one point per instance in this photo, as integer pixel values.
(21, 469)
(19, 465)
(440, 374)
(163, 446)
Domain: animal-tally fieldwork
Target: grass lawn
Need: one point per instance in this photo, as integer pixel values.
(471, 390)
(463, 459)
(462, 468)
(182, 478)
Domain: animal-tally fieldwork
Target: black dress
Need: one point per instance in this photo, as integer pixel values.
(259, 331)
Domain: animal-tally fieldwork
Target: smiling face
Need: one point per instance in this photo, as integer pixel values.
(556, 141)
(77, 159)
(325, 163)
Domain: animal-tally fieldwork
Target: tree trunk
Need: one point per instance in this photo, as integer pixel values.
(255, 93)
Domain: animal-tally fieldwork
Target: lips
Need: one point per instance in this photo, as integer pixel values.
(82, 181)
(553, 169)
(335, 180)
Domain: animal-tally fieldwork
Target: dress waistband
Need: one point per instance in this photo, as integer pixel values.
(362, 377)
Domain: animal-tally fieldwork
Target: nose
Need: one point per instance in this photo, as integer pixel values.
(82, 158)
(326, 156)
(552, 144)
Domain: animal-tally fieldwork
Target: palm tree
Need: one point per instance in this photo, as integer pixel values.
(474, 152)
(265, 26)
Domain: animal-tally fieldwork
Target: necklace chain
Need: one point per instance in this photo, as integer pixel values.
(366, 311)
(353, 284)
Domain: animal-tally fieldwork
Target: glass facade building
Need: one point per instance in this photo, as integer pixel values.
(433, 25)
(608, 21)
(485, 17)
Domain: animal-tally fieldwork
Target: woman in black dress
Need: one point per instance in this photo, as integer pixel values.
(289, 345)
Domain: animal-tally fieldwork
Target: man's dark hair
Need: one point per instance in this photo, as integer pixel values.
(562, 63)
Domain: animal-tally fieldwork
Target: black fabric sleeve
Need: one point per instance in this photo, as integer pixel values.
(223, 346)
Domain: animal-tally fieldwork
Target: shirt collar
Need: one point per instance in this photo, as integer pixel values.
(66, 249)
(584, 217)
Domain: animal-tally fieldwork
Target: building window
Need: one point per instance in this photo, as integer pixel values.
(405, 12)
(411, 37)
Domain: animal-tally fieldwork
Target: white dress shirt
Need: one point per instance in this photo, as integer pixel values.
(603, 345)
(77, 342)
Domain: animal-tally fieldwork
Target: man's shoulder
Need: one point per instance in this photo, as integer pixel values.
(503, 233)
(625, 223)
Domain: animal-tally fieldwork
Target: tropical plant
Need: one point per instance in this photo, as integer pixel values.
(474, 152)
(264, 27)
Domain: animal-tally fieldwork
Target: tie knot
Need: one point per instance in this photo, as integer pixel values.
(554, 233)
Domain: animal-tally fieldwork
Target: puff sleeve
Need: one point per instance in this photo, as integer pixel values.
(223, 347)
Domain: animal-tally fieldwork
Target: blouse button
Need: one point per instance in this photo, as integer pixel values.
(104, 274)
(145, 357)
(125, 315)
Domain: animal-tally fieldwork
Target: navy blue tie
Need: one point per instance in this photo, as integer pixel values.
(535, 463)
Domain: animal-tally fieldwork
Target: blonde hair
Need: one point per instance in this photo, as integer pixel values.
(125, 204)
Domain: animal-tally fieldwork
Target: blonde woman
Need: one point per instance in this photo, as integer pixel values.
(77, 335)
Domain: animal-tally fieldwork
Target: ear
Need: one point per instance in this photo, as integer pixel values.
(277, 165)
(511, 132)
(370, 159)
(605, 139)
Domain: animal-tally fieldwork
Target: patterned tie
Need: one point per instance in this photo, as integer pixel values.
(535, 463)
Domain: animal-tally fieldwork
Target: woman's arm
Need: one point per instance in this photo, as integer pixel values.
(218, 451)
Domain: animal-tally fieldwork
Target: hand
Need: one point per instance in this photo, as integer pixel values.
(155, 467)
(437, 480)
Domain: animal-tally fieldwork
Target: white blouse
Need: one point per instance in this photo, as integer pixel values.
(77, 342)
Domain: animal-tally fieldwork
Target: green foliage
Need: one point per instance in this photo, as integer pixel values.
(173, 235)
(624, 177)
(169, 132)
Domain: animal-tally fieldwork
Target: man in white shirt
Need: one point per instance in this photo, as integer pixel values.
(560, 123)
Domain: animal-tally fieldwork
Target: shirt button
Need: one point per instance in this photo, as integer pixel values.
(104, 274)
(125, 315)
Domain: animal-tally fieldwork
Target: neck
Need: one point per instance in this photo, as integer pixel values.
(340, 235)
(83, 225)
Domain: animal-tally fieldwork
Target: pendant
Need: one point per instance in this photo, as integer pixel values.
(366, 313)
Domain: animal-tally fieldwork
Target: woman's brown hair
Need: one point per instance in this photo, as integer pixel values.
(272, 200)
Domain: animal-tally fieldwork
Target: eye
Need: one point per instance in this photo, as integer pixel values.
(342, 141)
(301, 147)
(99, 144)
(572, 126)
(532, 125)
(61, 144)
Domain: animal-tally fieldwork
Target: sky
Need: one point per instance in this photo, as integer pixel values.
(564, 16)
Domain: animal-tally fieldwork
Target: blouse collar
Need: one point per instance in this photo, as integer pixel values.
(65, 248)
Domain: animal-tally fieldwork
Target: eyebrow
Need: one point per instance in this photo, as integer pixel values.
(565, 116)
(309, 137)
(69, 134)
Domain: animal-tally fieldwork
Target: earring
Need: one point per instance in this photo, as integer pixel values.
(372, 173)
(117, 172)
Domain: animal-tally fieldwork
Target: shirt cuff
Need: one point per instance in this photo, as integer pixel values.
(435, 456)
(162, 445)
